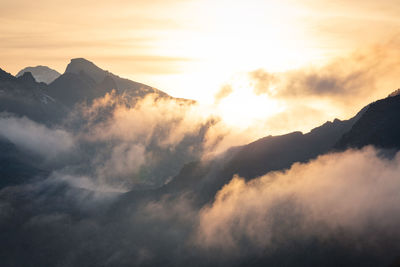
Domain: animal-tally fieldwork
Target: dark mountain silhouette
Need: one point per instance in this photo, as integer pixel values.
(5, 76)
(131, 88)
(82, 81)
(280, 152)
(24, 96)
(379, 126)
(71, 89)
(41, 73)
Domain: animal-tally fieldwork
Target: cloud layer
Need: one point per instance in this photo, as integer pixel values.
(354, 192)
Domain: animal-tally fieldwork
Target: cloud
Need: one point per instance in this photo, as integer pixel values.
(35, 137)
(147, 120)
(119, 142)
(128, 141)
(225, 91)
(355, 192)
(345, 78)
(264, 81)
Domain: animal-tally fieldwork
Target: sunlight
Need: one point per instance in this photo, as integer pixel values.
(246, 36)
(243, 108)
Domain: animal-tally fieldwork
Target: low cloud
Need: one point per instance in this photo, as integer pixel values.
(141, 141)
(118, 141)
(355, 192)
(343, 201)
(35, 137)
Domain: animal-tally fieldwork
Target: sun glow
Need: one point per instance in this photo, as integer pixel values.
(232, 37)
(243, 108)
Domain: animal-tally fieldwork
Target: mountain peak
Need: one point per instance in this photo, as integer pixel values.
(131, 88)
(40, 73)
(78, 65)
(79, 62)
(27, 77)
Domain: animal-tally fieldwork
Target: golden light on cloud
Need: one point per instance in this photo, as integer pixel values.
(242, 107)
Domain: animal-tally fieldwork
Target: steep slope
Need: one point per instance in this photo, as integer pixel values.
(83, 81)
(71, 89)
(279, 152)
(41, 73)
(126, 86)
(23, 96)
(5, 76)
(379, 126)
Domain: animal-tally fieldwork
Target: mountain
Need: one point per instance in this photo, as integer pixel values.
(280, 152)
(5, 76)
(204, 179)
(71, 89)
(24, 96)
(41, 73)
(83, 81)
(379, 126)
(376, 124)
(52, 104)
(79, 65)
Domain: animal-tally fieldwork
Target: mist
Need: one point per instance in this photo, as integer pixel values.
(339, 205)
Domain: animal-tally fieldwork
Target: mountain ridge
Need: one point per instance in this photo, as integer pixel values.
(131, 88)
(40, 73)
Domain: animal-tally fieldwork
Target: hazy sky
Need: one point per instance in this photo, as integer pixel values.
(191, 48)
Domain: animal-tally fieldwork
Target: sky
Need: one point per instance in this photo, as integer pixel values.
(194, 48)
